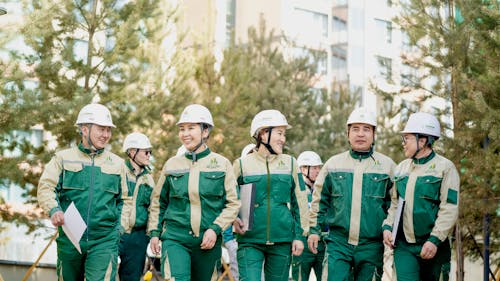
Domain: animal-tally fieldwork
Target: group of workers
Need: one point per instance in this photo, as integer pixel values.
(345, 218)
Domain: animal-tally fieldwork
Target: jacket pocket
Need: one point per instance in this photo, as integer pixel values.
(179, 185)
(376, 186)
(73, 176)
(212, 183)
(281, 193)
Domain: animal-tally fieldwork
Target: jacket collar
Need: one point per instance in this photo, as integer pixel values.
(360, 155)
(198, 156)
(425, 159)
(88, 151)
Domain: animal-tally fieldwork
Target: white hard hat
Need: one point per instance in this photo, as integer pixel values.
(196, 113)
(423, 123)
(362, 115)
(309, 158)
(181, 150)
(95, 113)
(136, 140)
(267, 118)
(246, 150)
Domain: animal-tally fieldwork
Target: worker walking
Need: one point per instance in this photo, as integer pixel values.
(280, 207)
(310, 164)
(140, 183)
(427, 185)
(351, 196)
(195, 200)
(93, 179)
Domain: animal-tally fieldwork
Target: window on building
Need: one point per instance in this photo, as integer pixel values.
(310, 26)
(339, 30)
(384, 30)
(339, 63)
(322, 63)
(384, 68)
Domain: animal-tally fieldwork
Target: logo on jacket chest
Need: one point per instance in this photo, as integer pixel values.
(282, 166)
(213, 164)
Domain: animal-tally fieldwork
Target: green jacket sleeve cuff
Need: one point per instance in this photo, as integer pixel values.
(386, 227)
(53, 210)
(154, 233)
(216, 228)
(436, 241)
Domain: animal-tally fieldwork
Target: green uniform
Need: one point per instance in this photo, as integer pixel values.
(430, 188)
(351, 196)
(134, 241)
(303, 264)
(191, 197)
(280, 215)
(94, 182)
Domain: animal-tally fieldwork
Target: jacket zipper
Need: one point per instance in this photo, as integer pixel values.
(268, 228)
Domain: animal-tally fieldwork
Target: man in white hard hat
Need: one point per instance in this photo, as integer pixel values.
(195, 199)
(134, 241)
(93, 179)
(310, 164)
(351, 197)
(429, 186)
(280, 209)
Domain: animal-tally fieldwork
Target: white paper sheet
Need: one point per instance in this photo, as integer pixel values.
(397, 219)
(74, 226)
(247, 197)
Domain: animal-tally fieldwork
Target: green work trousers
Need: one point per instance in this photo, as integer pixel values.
(303, 264)
(411, 267)
(186, 261)
(97, 262)
(132, 250)
(276, 259)
(344, 261)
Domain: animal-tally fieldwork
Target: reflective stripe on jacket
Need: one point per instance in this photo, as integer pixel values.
(139, 193)
(194, 196)
(430, 188)
(280, 207)
(94, 182)
(351, 195)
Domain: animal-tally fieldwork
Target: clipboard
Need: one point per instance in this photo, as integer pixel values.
(397, 219)
(247, 197)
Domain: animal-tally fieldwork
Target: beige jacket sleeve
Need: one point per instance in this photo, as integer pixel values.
(46, 192)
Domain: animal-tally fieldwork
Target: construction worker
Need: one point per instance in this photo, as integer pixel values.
(93, 179)
(195, 200)
(428, 184)
(310, 164)
(134, 241)
(280, 207)
(351, 197)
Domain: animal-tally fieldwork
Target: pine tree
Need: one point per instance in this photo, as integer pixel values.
(84, 51)
(456, 48)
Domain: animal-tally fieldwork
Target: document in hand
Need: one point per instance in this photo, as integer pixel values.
(74, 226)
(247, 197)
(397, 219)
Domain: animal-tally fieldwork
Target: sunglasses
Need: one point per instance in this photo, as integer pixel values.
(147, 152)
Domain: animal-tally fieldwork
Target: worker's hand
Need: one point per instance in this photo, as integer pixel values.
(238, 226)
(155, 245)
(297, 247)
(57, 218)
(312, 243)
(209, 239)
(388, 238)
(429, 250)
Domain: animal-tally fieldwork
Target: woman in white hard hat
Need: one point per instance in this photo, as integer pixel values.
(280, 207)
(92, 179)
(310, 164)
(140, 183)
(351, 196)
(429, 185)
(195, 201)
